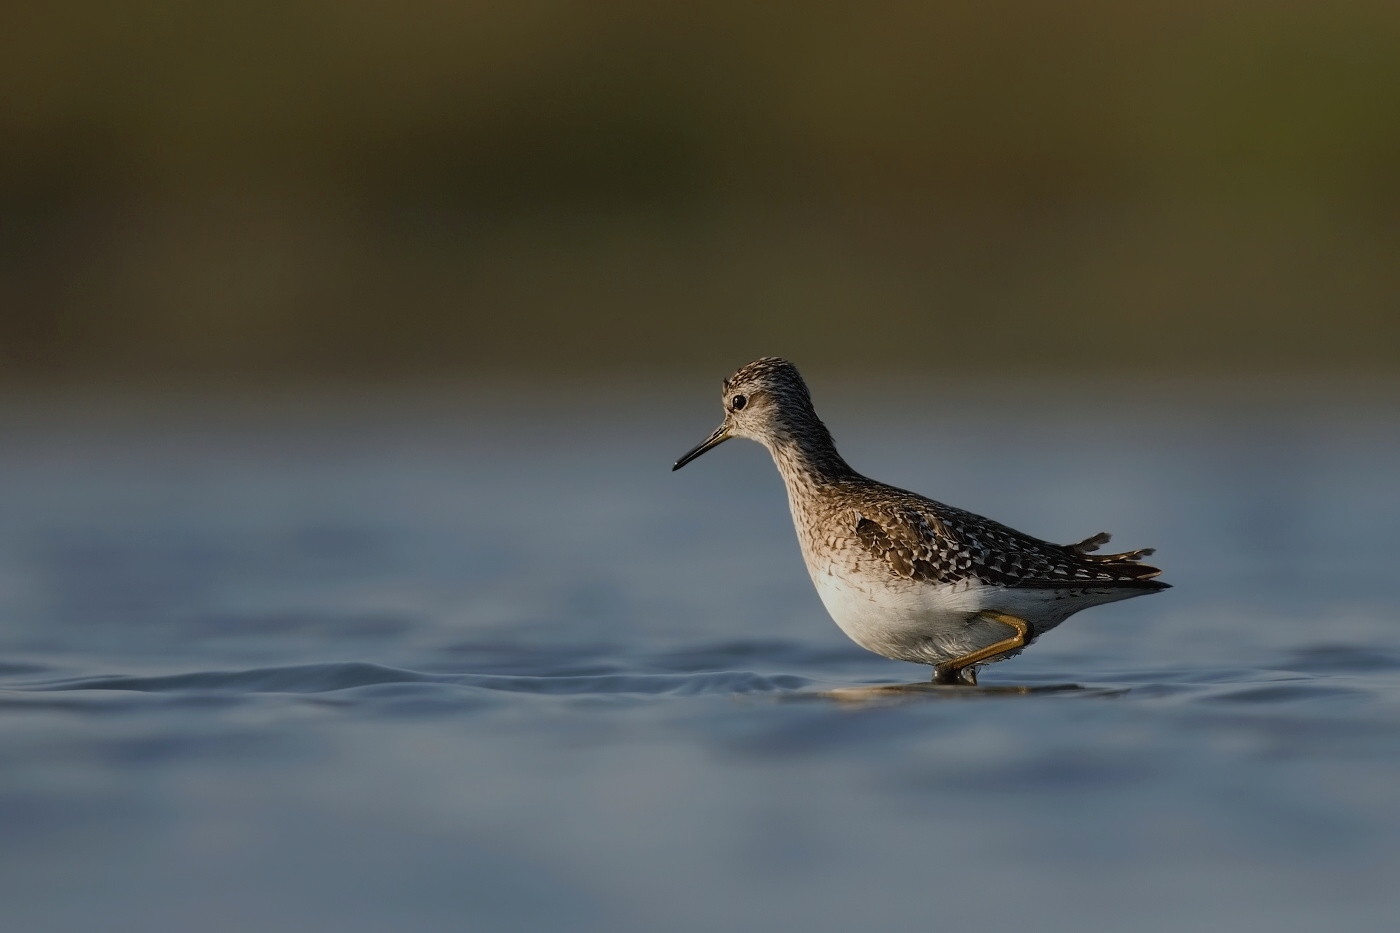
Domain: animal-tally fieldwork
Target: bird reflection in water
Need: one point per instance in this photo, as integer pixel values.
(896, 693)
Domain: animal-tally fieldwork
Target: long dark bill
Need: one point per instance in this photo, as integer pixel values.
(714, 440)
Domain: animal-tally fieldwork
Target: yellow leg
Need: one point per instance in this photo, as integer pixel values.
(961, 670)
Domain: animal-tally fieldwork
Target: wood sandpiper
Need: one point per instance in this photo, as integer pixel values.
(905, 576)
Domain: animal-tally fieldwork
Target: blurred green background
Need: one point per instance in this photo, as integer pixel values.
(366, 189)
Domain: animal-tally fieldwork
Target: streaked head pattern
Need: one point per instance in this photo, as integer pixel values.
(765, 401)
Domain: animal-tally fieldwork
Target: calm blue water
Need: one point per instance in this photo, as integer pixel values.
(478, 661)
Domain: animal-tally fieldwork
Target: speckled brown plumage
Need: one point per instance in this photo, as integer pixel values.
(929, 572)
(931, 542)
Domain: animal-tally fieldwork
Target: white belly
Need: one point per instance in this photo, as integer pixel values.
(928, 624)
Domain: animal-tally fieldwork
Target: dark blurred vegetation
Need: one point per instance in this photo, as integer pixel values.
(304, 187)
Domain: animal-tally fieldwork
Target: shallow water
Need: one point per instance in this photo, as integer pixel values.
(430, 662)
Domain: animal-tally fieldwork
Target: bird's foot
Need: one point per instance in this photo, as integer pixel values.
(960, 676)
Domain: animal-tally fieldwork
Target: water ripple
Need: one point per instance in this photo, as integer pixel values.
(328, 678)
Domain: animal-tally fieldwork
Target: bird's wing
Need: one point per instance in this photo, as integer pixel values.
(912, 543)
(934, 543)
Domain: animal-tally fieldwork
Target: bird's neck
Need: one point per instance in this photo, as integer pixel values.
(806, 455)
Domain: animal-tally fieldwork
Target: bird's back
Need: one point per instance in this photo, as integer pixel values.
(918, 539)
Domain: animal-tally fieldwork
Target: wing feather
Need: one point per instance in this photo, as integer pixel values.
(931, 542)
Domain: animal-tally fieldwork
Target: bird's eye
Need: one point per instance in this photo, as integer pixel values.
(737, 403)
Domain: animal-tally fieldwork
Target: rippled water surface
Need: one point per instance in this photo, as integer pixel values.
(480, 662)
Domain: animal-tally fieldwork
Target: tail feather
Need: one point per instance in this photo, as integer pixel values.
(1127, 564)
(1091, 543)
